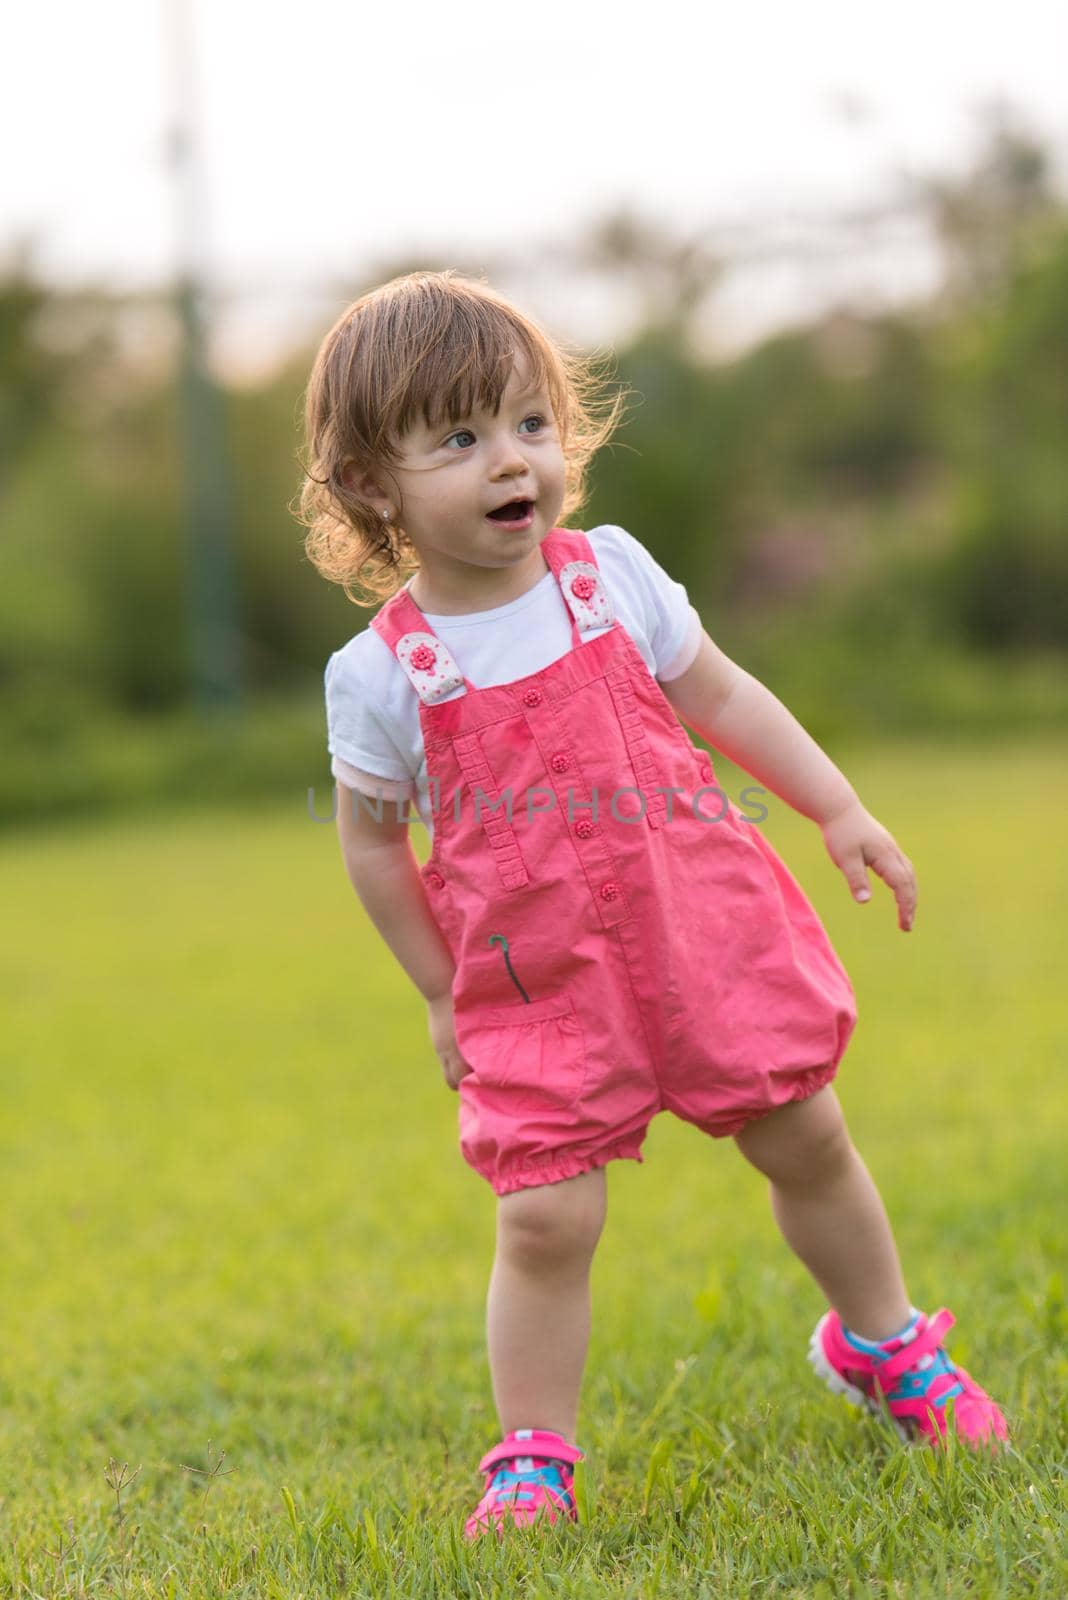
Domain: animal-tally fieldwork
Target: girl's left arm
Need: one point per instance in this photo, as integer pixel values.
(735, 713)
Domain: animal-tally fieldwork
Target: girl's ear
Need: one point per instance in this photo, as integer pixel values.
(366, 485)
(357, 481)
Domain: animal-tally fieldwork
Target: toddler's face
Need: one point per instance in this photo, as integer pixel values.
(449, 479)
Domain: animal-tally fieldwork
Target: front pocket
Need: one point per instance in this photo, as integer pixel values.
(525, 1057)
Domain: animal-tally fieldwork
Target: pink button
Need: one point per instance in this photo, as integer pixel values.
(435, 880)
(584, 828)
(560, 763)
(610, 891)
(583, 587)
(423, 658)
(532, 697)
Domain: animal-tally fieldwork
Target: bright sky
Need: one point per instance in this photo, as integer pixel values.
(336, 135)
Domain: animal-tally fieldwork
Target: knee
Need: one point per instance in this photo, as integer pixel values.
(554, 1224)
(825, 1154)
(801, 1144)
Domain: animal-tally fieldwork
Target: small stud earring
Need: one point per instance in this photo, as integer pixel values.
(385, 516)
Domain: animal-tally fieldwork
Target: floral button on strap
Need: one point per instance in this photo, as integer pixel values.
(586, 596)
(431, 670)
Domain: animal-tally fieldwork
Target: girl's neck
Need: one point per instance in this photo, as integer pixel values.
(458, 599)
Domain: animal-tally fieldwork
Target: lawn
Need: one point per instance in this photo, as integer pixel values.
(243, 1258)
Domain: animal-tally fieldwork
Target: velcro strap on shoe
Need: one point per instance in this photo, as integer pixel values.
(926, 1343)
(536, 1442)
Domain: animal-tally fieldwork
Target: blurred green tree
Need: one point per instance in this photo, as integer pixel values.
(1002, 583)
(31, 374)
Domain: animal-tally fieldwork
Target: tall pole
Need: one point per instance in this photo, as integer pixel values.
(213, 637)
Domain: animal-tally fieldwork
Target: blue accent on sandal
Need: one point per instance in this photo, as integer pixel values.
(915, 1384)
(912, 1384)
(549, 1476)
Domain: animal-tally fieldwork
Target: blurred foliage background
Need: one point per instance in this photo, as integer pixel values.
(870, 512)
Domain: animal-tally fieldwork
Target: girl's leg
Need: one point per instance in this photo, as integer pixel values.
(538, 1307)
(830, 1212)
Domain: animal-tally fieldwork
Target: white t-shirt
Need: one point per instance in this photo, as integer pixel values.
(372, 711)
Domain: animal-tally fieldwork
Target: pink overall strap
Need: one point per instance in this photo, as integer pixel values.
(571, 557)
(427, 662)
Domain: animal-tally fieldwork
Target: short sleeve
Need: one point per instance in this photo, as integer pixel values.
(687, 654)
(364, 753)
(674, 628)
(367, 783)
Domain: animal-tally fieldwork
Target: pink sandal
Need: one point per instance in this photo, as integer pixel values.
(533, 1481)
(914, 1376)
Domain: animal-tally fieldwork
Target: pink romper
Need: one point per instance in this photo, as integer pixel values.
(625, 941)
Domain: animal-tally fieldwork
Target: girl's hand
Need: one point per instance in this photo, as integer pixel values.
(856, 841)
(443, 1038)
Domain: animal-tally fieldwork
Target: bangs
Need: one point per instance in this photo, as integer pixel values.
(461, 363)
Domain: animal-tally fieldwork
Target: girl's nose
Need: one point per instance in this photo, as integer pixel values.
(508, 459)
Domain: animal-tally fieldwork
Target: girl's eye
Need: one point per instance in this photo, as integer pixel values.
(465, 433)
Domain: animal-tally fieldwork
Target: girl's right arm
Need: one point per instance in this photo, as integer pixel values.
(385, 875)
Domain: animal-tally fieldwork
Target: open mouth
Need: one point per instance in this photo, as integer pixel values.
(515, 514)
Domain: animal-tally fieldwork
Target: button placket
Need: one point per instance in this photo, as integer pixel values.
(605, 889)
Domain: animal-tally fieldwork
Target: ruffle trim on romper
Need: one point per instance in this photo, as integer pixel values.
(567, 1164)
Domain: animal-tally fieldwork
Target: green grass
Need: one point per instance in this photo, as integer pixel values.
(236, 1220)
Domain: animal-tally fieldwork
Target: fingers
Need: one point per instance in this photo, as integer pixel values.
(896, 871)
(455, 1068)
(443, 1038)
(858, 880)
(899, 875)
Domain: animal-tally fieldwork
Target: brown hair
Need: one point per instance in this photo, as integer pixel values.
(438, 344)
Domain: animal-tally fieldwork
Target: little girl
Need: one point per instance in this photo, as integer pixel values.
(598, 933)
